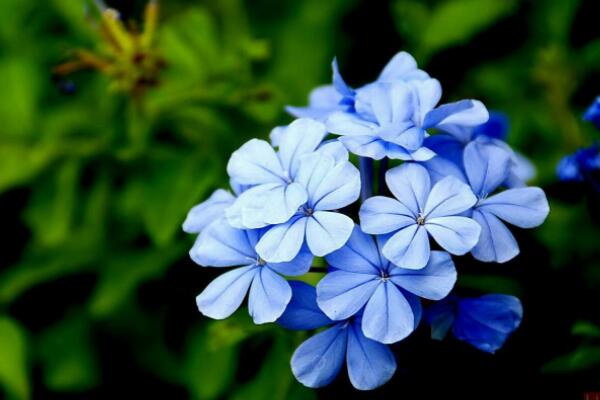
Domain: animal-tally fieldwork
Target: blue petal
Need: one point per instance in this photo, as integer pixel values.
(410, 184)
(415, 305)
(440, 316)
(279, 203)
(301, 137)
(360, 255)
(342, 294)
(223, 246)
(401, 67)
(203, 214)
(496, 243)
(276, 134)
(433, 282)
(487, 166)
(302, 312)
(388, 316)
(368, 146)
(448, 197)
(456, 235)
(339, 187)
(408, 248)
(380, 215)
(522, 207)
(249, 209)
(339, 83)
(389, 104)
(298, 266)
(318, 360)
(446, 146)
(281, 243)
(334, 149)
(323, 100)
(370, 364)
(269, 295)
(327, 231)
(487, 321)
(224, 295)
(427, 94)
(440, 167)
(455, 116)
(347, 124)
(255, 163)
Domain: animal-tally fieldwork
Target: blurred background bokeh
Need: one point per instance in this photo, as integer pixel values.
(102, 155)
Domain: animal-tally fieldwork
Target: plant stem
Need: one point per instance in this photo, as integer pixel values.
(366, 178)
(383, 167)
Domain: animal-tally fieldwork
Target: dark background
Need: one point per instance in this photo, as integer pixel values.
(96, 175)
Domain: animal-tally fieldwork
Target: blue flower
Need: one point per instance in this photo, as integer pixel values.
(272, 195)
(581, 166)
(327, 99)
(592, 114)
(362, 279)
(484, 322)
(318, 360)
(221, 245)
(487, 167)
(496, 127)
(420, 210)
(329, 184)
(391, 119)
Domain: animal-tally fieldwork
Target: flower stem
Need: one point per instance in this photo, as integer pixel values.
(366, 178)
(383, 167)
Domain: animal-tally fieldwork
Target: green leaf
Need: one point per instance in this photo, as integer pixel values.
(490, 283)
(454, 22)
(19, 101)
(68, 357)
(13, 360)
(274, 379)
(582, 358)
(586, 328)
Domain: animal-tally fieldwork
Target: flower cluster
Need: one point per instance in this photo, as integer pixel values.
(454, 187)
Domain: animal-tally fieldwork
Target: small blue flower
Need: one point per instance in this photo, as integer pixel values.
(318, 360)
(484, 322)
(420, 210)
(330, 184)
(272, 195)
(327, 99)
(391, 119)
(363, 280)
(592, 114)
(487, 167)
(581, 166)
(221, 245)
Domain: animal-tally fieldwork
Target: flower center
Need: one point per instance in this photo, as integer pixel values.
(384, 276)
(420, 219)
(260, 261)
(308, 211)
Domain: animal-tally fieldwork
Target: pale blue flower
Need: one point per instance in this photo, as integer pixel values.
(487, 167)
(330, 183)
(363, 280)
(221, 245)
(484, 322)
(418, 211)
(210, 210)
(318, 360)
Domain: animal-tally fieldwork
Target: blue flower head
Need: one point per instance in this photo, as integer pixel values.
(592, 114)
(582, 166)
(420, 210)
(363, 280)
(484, 322)
(487, 167)
(319, 359)
(221, 245)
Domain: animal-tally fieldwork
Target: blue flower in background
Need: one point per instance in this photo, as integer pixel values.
(420, 210)
(327, 99)
(329, 185)
(487, 167)
(221, 245)
(592, 114)
(361, 279)
(318, 360)
(391, 119)
(484, 322)
(581, 166)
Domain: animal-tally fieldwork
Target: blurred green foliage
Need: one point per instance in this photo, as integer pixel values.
(109, 177)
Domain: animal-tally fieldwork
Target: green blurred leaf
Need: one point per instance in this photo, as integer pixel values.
(582, 358)
(586, 328)
(68, 357)
(13, 359)
(19, 100)
(274, 379)
(490, 284)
